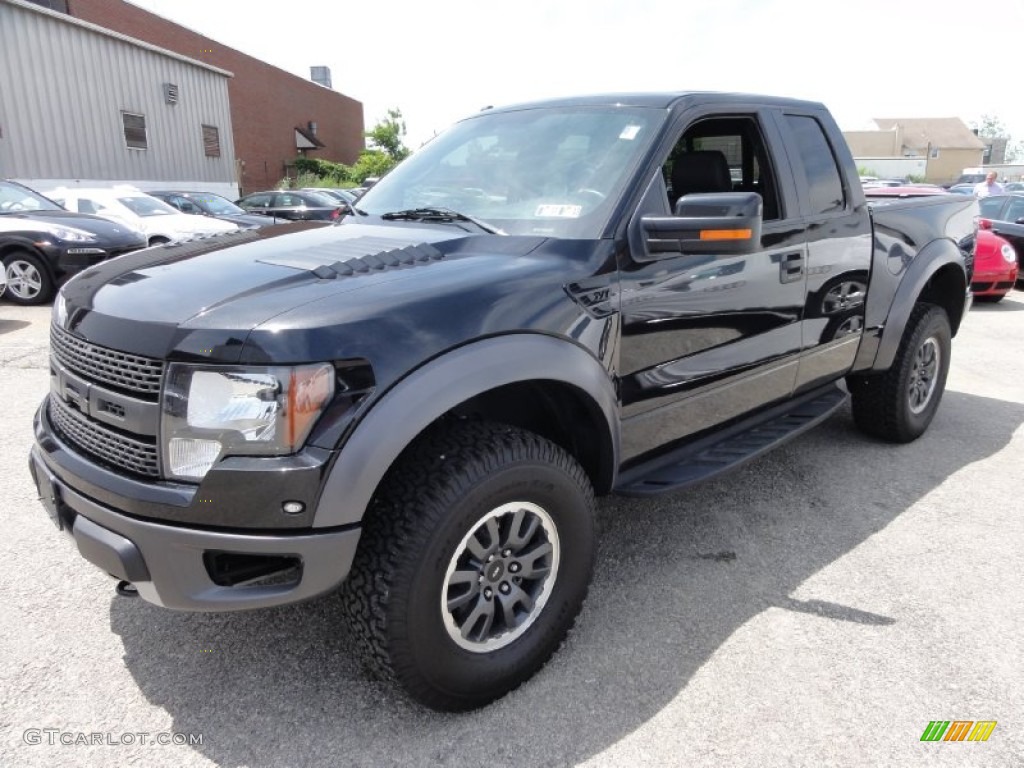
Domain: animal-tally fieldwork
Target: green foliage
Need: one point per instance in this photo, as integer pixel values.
(388, 150)
(862, 171)
(372, 162)
(387, 136)
(913, 178)
(335, 173)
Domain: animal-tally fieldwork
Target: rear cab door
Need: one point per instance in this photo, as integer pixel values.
(835, 218)
(706, 338)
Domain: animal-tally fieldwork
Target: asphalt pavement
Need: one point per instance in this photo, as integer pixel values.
(818, 607)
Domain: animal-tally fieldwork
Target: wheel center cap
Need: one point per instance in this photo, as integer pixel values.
(495, 570)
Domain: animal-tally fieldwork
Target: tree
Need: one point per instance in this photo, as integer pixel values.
(990, 126)
(387, 136)
(388, 150)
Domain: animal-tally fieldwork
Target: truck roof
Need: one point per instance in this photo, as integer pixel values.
(658, 100)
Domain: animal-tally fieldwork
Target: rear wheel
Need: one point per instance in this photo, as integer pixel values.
(475, 559)
(28, 280)
(899, 404)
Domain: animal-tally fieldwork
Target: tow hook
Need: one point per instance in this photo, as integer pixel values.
(126, 589)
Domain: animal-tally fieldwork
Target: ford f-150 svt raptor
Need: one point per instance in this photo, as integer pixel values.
(417, 406)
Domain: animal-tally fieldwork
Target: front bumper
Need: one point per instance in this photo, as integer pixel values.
(186, 568)
(72, 258)
(994, 282)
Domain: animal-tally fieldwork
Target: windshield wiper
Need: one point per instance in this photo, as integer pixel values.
(439, 214)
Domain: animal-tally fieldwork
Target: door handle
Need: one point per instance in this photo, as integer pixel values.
(791, 267)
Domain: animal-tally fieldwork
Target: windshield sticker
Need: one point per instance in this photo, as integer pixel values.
(629, 132)
(560, 211)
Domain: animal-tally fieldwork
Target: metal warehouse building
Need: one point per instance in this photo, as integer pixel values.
(81, 105)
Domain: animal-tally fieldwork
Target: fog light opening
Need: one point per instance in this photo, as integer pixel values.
(232, 569)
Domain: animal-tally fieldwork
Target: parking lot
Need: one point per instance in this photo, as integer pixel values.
(818, 607)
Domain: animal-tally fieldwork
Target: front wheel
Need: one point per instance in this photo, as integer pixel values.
(28, 280)
(899, 404)
(475, 560)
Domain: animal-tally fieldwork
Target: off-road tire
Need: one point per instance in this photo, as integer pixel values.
(428, 504)
(898, 405)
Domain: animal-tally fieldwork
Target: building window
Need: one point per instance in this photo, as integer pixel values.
(934, 154)
(134, 130)
(211, 140)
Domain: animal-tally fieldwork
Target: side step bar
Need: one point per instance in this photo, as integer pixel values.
(721, 451)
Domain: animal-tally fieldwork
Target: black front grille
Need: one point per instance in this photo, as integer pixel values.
(120, 370)
(107, 445)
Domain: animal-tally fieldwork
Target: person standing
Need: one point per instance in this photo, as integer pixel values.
(989, 186)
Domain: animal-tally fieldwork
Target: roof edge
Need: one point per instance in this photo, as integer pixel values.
(68, 19)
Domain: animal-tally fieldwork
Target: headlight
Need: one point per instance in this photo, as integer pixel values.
(1008, 253)
(209, 412)
(73, 235)
(59, 316)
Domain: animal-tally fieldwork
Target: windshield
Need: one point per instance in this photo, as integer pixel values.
(217, 205)
(146, 206)
(549, 171)
(15, 198)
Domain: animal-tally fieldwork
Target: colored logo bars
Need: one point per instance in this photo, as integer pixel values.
(958, 730)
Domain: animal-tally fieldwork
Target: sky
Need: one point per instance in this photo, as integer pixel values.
(441, 60)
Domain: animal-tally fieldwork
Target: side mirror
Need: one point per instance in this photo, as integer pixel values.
(1020, 220)
(724, 223)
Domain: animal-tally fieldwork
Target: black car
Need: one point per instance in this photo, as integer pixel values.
(294, 205)
(209, 204)
(1006, 213)
(42, 244)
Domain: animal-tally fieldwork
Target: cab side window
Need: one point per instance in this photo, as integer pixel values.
(723, 154)
(824, 183)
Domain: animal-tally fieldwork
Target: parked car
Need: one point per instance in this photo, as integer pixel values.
(962, 189)
(42, 244)
(209, 204)
(419, 405)
(160, 222)
(883, 183)
(970, 178)
(995, 265)
(293, 205)
(907, 190)
(1014, 186)
(342, 195)
(1006, 214)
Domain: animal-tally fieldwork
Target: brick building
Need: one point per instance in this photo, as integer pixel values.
(274, 113)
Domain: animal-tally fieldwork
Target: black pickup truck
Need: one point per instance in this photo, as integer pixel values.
(417, 406)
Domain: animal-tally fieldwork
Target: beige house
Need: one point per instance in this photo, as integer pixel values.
(946, 142)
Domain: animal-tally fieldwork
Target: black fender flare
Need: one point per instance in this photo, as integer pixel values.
(932, 258)
(424, 395)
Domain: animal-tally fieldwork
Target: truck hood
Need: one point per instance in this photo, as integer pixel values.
(202, 298)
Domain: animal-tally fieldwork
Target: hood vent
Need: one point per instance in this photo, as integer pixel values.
(359, 256)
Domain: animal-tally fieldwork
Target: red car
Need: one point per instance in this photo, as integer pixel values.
(995, 265)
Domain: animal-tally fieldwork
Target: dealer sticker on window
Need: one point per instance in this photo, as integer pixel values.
(559, 211)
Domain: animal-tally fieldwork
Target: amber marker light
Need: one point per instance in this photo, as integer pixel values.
(726, 234)
(308, 393)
